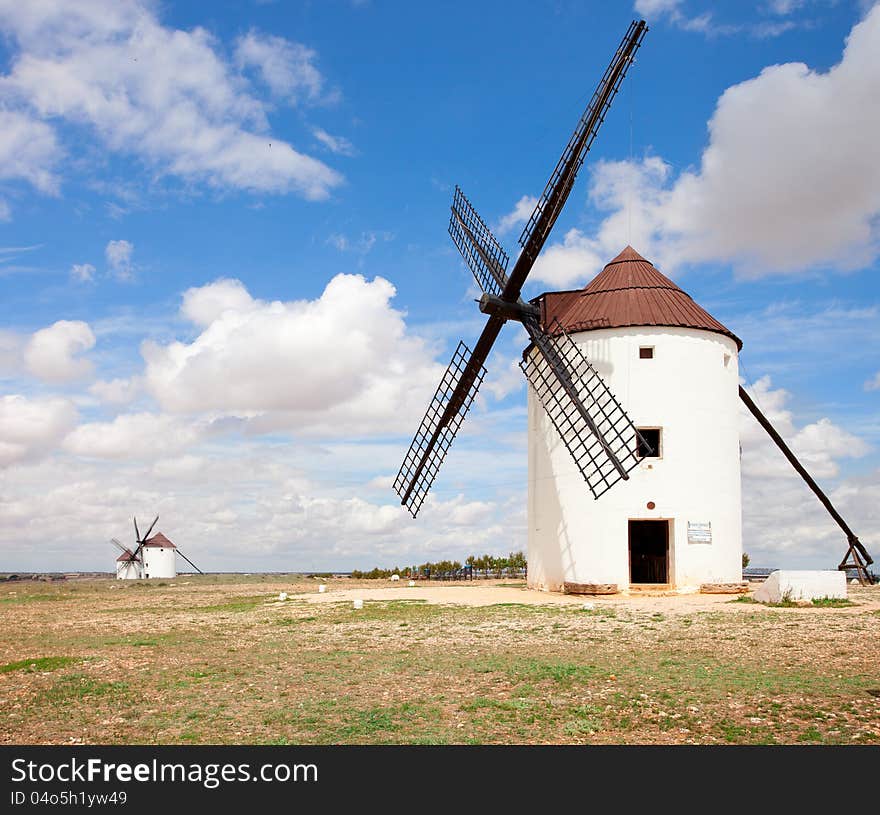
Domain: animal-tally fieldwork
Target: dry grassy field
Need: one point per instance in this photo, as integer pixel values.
(219, 659)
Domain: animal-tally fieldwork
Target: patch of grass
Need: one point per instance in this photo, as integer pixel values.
(79, 686)
(40, 664)
(744, 598)
(832, 602)
(236, 606)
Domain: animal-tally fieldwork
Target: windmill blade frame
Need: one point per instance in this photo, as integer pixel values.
(488, 262)
(596, 430)
(147, 536)
(480, 250)
(558, 187)
(451, 401)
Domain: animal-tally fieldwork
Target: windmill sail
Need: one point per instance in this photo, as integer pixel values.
(482, 253)
(501, 301)
(602, 439)
(451, 402)
(555, 194)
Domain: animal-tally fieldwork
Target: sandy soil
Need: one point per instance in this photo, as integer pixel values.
(488, 594)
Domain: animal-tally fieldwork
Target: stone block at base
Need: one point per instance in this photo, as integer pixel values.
(590, 588)
(801, 585)
(724, 588)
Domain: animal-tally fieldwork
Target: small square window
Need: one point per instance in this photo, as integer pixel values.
(648, 446)
(646, 352)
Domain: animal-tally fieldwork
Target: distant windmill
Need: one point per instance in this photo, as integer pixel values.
(151, 556)
(677, 520)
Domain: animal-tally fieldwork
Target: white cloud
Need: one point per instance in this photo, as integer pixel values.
(82, 272)
(519, 215)
(116, 391)
(11, 349)
(30, 428)
(204, 304)
(671, 11)
(783, 7)
(5, 210)
(873, 384)
(335, 144)
(28, 152)
(52, 353)
(118, 254)
(783, 522)
(132, 436)
(789, 181)
(286, 67)
(342, 364)
(164, 95)
(360, 245)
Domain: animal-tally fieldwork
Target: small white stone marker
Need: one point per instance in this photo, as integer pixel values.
(282, 596)
(322, 588)
(801, 585)
(588, 606)
(395, 578)
(411, 583)
(358, 603)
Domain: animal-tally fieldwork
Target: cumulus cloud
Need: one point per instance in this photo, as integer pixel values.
(341, 364)
(28, 151)
(519, 215)
(52, 354)
(82, 272)
(31, 427)
(783, 522)
(204, 304)
(118, 255)
(288, 68)
(116, 391)
(789, 181)
(164, 95)
(131, 436)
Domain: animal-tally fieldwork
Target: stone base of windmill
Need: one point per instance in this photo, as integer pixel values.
(724, 588)
(590, 588)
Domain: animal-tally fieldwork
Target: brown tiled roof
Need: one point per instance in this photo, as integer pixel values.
(629, 291)
(127, 555)
(159, 540)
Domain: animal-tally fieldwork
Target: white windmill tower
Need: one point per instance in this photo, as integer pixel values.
(676, 521)
(662, 504)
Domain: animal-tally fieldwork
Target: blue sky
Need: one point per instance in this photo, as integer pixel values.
(228, 290)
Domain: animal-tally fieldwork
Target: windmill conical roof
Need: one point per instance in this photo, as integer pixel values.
(127, 555)
(159, 540)
(629, 291)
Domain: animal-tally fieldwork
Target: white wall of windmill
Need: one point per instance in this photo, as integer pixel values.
(689, 389)
(127, 570)
(159, 561)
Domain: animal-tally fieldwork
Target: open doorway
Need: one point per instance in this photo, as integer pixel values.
(649, 551)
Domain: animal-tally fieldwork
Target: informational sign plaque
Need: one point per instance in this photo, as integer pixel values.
(699, 532)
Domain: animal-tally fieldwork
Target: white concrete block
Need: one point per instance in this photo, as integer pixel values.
(322, 588)
(801, 585)
(282, 596)
(358, 603)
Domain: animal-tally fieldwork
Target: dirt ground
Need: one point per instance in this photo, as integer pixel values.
(221, 659)
(487, 593)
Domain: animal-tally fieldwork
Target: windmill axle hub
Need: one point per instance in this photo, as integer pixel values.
(519, 311)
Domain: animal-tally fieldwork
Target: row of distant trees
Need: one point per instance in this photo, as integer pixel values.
(488, 565)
